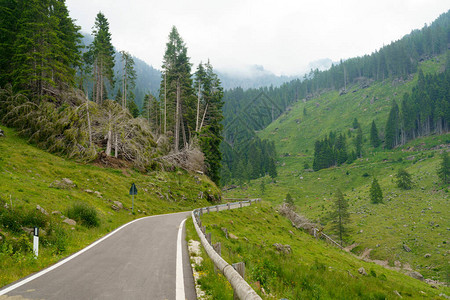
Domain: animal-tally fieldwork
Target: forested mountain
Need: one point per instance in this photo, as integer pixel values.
(248, 111)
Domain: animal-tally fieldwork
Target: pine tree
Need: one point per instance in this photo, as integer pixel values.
(341, 149)
(444, 168)
(356, 124)
(133, 108)
(340, 215)
(272, 169)
(404, 179)
(392, 127)
(262, 187)
(151, 111)
(176, 89)
(8, 29)
(103, 57)
(358, 142)
(374, 137)
(210, 125)
(376, 195)
(128, 78)
(46, 48)
(289, 201)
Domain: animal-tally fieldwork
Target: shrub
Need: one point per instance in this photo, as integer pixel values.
(34, 218)
(22, 244)
(60, 240)
(11, 219)
(84, 213)
(289, 200)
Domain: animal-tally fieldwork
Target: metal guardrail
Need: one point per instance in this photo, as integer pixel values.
(242, 289)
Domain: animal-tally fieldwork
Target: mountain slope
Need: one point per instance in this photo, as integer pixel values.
(417, 218)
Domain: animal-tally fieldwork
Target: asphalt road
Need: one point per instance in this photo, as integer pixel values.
(139, 261)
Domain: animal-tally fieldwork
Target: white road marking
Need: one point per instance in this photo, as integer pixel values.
(179, 277)
(51, 268)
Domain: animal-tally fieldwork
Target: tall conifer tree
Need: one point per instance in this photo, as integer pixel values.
(176, 89)
(374, 137)
(103, 57)
(209, 124)
(376, 195)
(340, 215)
(392, 128)
(46, 48)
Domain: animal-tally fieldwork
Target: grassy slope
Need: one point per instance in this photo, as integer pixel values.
(27, 172)
(313, 270)
(419, 217)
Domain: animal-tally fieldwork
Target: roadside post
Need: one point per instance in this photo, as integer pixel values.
(133, 191)
(36, 242)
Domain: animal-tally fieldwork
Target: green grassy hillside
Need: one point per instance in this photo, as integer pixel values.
(294, 133)
(312, 270)
(28, 178)
(418, 218)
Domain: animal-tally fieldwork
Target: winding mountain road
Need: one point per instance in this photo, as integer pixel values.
(144, 259)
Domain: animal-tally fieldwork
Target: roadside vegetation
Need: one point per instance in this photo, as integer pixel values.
(94, 196)
(285, 262)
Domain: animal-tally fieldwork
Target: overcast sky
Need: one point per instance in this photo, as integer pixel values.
(283, 36)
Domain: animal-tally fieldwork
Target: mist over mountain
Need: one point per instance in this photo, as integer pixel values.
(320, 64)
(254, 76)
(148, 78)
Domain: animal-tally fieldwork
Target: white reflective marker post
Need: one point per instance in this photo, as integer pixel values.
(36, 242)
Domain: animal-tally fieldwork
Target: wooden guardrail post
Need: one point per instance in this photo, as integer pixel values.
(217, 208)
(240, 268)
(203, 229)
(207, 209)
(201, 212)
(225, 231)
(208, 237)
(228, 204)
(240, 203)
(218, 248)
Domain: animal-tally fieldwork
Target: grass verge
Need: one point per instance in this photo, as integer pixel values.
(311, 270)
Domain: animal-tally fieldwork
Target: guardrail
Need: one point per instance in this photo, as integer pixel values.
(241, 288)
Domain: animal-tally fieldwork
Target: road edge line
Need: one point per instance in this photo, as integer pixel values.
(179, 287)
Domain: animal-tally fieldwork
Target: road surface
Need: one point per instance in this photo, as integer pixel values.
(138, 261)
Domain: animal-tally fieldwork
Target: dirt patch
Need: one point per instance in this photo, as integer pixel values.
(104, 160)
(351, 247)
(365, 254)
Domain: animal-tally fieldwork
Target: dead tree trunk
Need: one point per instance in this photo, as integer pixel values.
(177, 117)
(198, 108)
(89, 122)
(116, 145)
